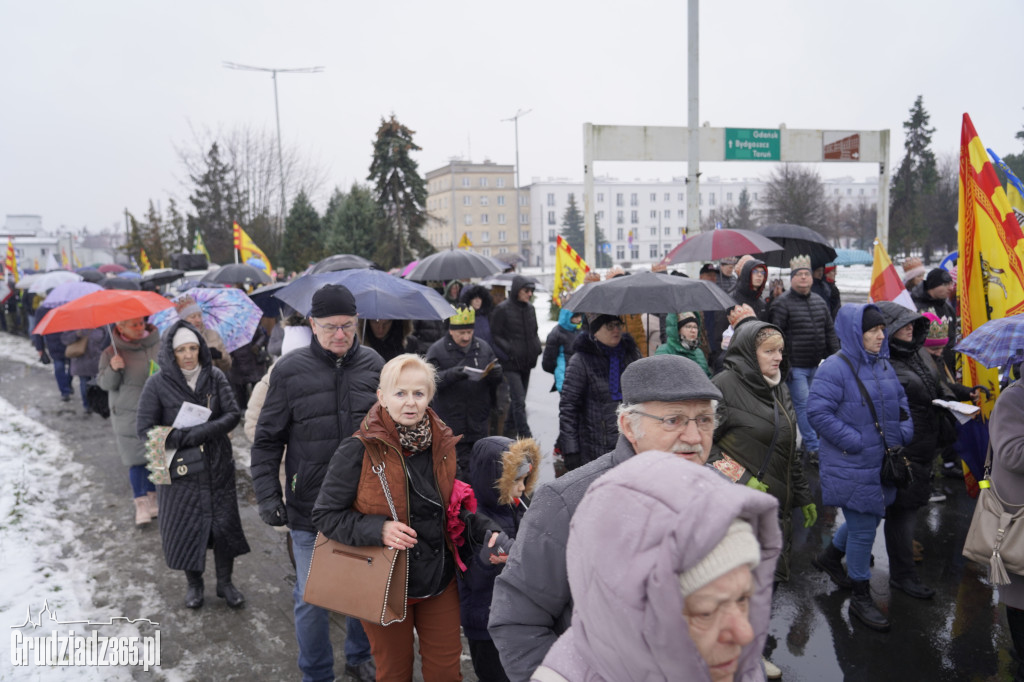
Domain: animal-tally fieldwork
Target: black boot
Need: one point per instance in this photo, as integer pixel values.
(194, 595)
(862, 606)
(225, 590)
(831, 561)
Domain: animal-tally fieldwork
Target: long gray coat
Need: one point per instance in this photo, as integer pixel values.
(124, 388)
(86, 365)
(1006, 431)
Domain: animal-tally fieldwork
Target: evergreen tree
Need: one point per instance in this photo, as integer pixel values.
(176, 235)
(913, 186)
(401, 195)
(744, 218)
(152, 236)
(352, 222)
(572, 226)
(604, 260)
(303, 236)
(217, 206)
(795, 195)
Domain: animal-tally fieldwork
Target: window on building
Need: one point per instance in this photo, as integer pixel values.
(501, 218)
(633, 199)
(483, 182)
(551, 249)
(668, 196)
(666, 250)
(485, 237)
(654, 214)
(484, 219)
(618, 199)
(467, 219)
(524, 235)
(551, 217)
(634, 253)
(618, 218)
(524, 218)
(681, 197)
(467, 200)
(654, 197)
(502, 235)
(619, 232)
(485, 251)
(465, 182)
(484, 201)
(728, 197)
(501, 182)
(502, 250)
(700, 200)
(861, 191)
(551, 199)
(523, 200)
(654, 251)
(620, 252)
(600, 197)
(667, 213)
(849, 191)
(668, 231)
(501, 200)
(679, 214)
(654, 232)
(634, 217)
(599, 215)
(552, 236)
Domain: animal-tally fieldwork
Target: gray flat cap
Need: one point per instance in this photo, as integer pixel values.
(666, 378)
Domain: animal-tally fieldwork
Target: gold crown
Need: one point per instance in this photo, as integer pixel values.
(464, 316)
(800, 263)
(939, 329)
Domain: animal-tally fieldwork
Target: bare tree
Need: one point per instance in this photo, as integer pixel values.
(794, 195)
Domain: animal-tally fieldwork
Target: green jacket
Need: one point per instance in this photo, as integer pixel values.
(674, 346)
(747, 422)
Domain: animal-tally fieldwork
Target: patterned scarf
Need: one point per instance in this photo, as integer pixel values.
(414, 438)
(616, 356)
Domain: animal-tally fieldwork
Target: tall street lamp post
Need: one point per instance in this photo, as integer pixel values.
(519, 225)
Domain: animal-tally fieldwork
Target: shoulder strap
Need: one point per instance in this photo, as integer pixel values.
(864, 392)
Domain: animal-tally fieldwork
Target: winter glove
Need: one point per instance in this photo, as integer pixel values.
(216, 354)
(273, 512)
(44, 357)
(457, 373)
(810, 514)
(757, 485)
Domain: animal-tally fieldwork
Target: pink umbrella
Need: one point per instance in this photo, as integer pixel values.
(409, 268)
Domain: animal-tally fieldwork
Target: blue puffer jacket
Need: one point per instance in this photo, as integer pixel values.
(851, 449)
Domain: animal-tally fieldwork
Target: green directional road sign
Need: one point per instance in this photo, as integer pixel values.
(752, 144)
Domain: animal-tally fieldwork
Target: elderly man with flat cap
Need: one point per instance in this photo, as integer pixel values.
(668, 404)
(318, 396)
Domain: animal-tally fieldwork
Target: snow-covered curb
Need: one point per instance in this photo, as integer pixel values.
(19, 349)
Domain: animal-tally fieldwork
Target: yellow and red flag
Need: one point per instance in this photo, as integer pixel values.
(143, 260)
(990, 266)
(569, 270)
(886, 284)
(78, 261)
(11, 262)
(64, 262)
(247, 249)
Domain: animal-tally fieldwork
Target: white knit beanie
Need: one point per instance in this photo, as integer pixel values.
(738, 547)
(182, 336)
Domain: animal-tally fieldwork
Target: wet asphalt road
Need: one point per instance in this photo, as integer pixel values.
(960, 635)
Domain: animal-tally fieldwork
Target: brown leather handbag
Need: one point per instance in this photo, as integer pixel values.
(370, 583)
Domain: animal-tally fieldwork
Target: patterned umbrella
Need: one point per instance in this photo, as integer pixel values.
(229, 311)
(996, 342)
(67, 292)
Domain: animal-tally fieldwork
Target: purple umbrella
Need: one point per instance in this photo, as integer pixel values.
(67, 292)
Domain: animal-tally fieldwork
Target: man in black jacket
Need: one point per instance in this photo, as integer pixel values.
(318, 396)
(932, 296)
(514, 328)
(806, 322)
(463, 398)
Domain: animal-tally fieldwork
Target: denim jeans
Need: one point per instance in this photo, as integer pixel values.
(83, 388)
(312, 623)
(799, 383)
(139, 477)
(62, 370)
(855, 537)
(515, 422)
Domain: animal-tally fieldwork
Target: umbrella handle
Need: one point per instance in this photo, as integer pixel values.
(110, 330)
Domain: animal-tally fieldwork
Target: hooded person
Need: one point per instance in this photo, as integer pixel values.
(189, 310)
(514, 328)
(683, 331)
(932, 295)
(197, 510)
(757, 428)
(750, 284)
(558, 348)
(480, 300)
(640, 611)
(592, 390)
(503, 474)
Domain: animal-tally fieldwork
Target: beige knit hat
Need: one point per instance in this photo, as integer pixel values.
(739, 547)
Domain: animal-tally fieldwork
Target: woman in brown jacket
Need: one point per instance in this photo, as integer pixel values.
(418, 452)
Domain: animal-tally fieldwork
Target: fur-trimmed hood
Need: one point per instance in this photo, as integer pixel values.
(494, 465)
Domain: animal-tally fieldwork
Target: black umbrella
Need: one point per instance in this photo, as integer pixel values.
(342, 261)
(265, 299)
(454, 264)
(121, 283)
(156, 279)
(237, 273)
(796, 240)
(91, 275)
(648, 292)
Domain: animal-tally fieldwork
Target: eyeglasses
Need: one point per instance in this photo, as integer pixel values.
(614, 325)
(677, 422)
(332, 329)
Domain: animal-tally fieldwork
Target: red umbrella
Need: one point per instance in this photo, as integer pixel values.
(112, 267)
(717, 244)
(101, 308)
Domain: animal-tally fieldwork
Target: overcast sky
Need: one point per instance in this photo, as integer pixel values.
(94, 96)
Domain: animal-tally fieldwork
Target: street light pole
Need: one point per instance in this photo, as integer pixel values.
(277, 116)
(515, 120)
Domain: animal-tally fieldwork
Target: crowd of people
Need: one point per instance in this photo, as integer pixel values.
(734, 405)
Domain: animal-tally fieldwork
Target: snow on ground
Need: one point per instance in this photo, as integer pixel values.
(19, 349)
(43, 497)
